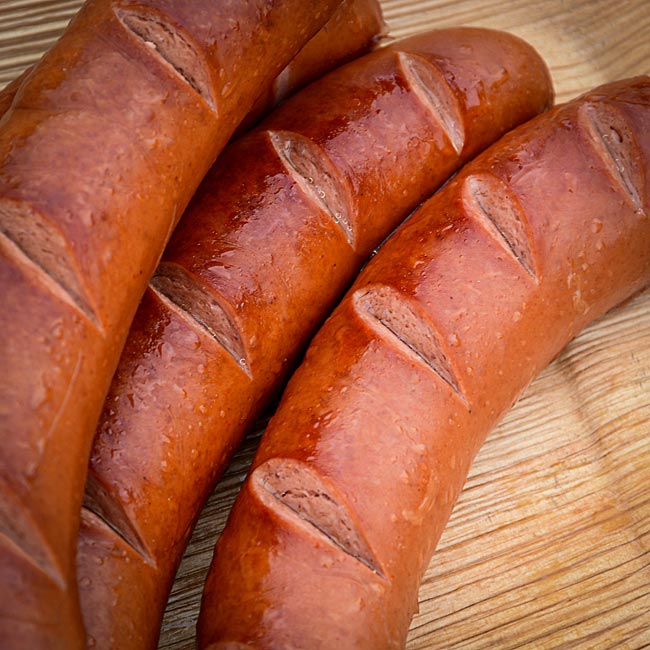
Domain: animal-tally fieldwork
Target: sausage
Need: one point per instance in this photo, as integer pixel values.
(269, 243)
(100, 151)
(354, 28)
(8, 93)
(351, 29)
(359, 468)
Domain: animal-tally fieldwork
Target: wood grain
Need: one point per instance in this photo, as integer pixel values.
(549, 544)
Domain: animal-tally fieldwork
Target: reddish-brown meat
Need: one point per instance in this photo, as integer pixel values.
(352, 30)
(268, 245)
(359, 469)
(101, 149)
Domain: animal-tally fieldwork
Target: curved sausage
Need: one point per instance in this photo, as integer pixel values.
(269, 243)
(359, 469)
(354, 28)
(101, 149)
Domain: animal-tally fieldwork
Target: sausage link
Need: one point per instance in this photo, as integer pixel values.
(101, 149)
(269, 243)
(359, 469)
(354, 28)
(8, 93)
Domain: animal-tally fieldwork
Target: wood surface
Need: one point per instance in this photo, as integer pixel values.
(549, 544)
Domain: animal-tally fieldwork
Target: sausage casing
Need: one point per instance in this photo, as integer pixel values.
(359, 468)
(102, 147)
(268, 245)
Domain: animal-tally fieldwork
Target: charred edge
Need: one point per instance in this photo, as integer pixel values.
(434, 92)
(25, 537)
(307, 164)
(387, 309)
(29, 238)
(201, 305)
(614, 142)
(172, 46)
(500, 214)
(98, 501)
(301, 490)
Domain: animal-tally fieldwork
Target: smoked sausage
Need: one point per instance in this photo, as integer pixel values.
(101, 149)
(269, 243)
(359, 469)
(354, 28)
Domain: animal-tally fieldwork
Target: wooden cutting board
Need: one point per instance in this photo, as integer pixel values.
(549, 544)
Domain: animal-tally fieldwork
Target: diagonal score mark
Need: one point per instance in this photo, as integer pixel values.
(173, 47)
(299, 488)
(198, 303)
(35, 243)
(387, 311)
(316, 176)
(99, 501)
(615, 144)
(433, 90)
(496, 208)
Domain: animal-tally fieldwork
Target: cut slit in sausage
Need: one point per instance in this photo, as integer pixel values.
(434, 92)
(172, 46)
(612, 139)
(310, 169)
(201, 305)
(387, 311)
(498, 211)
(100, 502)
(43, 245)
(25, 534)
(296, 486)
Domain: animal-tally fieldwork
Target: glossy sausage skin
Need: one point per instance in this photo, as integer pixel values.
(359, 469)
(132, 620)
(353, 29)
(101, 149)
(270, 242)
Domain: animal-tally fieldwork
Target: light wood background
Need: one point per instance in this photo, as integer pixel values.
(549, 544)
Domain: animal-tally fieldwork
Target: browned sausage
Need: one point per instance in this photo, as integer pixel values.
(359, 469)
(8, 93)
(100, 151)
(352, 30)
(268, 245)
(354, 27)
